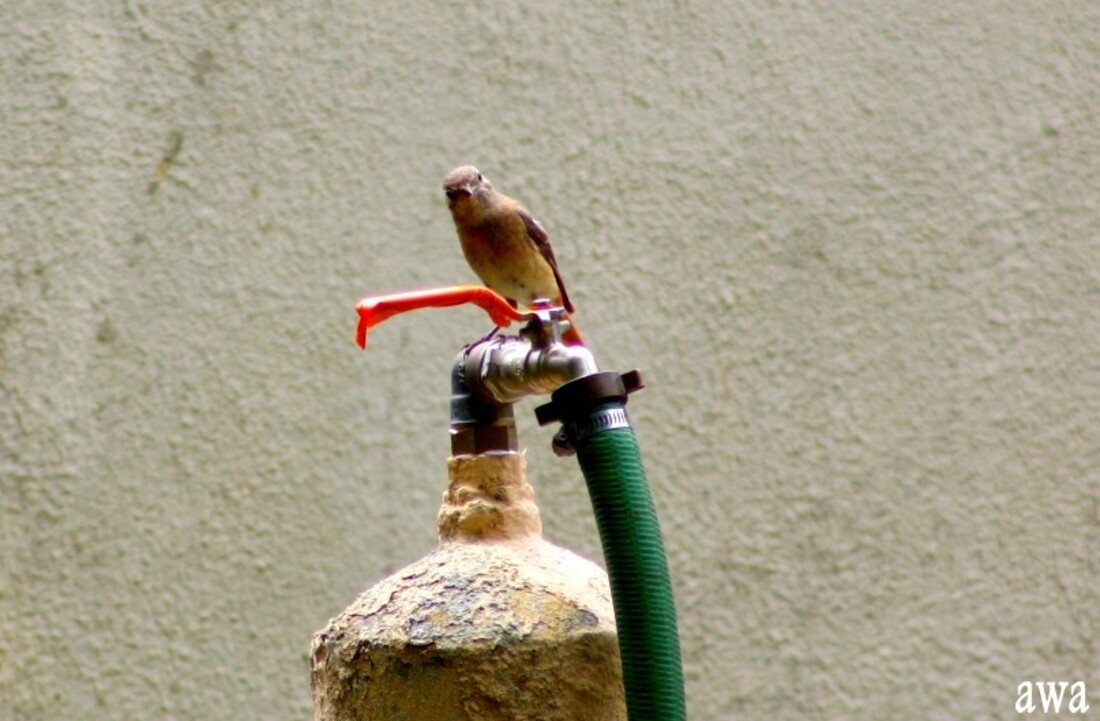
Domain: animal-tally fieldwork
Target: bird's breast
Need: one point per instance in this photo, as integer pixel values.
(506, 259)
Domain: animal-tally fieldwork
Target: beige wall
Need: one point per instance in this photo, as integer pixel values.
(856, 250)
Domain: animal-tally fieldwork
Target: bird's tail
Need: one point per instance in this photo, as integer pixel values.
(572, 336)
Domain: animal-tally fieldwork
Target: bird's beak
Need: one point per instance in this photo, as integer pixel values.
(454, 194)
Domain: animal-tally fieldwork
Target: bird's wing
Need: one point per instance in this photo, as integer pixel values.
(542, 241)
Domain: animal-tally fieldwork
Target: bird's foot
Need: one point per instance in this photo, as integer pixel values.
(486, 338)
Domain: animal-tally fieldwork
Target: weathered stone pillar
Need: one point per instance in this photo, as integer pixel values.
(496, 623)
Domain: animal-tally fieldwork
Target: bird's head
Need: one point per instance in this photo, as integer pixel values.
(466, 184)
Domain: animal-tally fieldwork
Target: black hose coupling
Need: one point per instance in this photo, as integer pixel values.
(588, 405)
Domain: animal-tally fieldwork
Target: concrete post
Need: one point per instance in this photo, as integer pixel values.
(496, 623)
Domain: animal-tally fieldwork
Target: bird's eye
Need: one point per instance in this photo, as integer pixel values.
(452, 194)
(479, 178)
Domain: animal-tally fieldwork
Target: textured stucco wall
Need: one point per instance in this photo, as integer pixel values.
(855, 246)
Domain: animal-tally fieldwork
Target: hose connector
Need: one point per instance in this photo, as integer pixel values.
(574, 405)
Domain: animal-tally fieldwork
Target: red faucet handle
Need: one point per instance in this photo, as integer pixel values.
(373, 311)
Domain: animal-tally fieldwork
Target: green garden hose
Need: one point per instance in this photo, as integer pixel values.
(597, 427)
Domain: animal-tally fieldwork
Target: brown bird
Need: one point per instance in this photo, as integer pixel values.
(504, 245)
